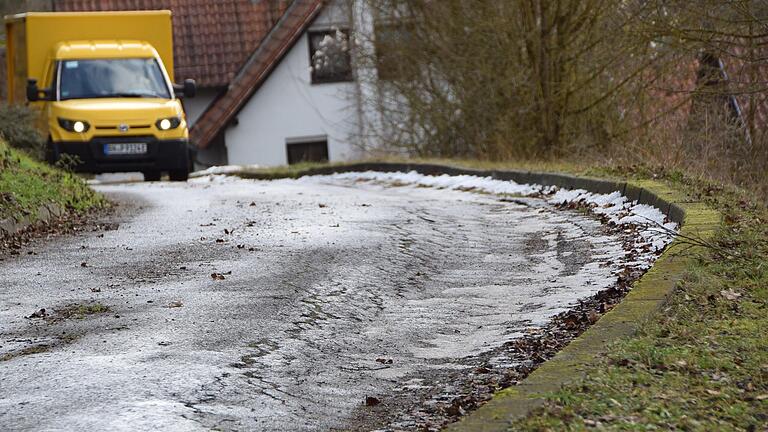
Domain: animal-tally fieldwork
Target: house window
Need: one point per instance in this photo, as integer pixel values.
(315, 150)
(329, 56)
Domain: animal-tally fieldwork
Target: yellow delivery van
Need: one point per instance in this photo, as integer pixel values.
(103, 83)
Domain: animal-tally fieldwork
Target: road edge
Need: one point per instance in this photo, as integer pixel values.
(648, 294)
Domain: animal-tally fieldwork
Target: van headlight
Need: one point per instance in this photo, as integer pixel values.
(78, 126)
(168, 123)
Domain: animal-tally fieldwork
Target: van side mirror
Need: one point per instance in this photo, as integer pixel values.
(187, 90)
(33, 92)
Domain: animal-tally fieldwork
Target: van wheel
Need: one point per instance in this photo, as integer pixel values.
(178, 175)
(50, 153)
(151, 175)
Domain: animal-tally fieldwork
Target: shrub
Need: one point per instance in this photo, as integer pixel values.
(18, 128)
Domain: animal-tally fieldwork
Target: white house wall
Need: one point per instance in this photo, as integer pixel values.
(288, 107)
(194, 107)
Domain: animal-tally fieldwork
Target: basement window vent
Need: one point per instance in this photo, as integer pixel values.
(315, 150)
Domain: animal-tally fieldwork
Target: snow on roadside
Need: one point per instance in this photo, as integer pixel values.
(653, 231)
(214, 179)
(222, 169)
(445, 181)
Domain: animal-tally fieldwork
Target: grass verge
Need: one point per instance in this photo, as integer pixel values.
(26, 185)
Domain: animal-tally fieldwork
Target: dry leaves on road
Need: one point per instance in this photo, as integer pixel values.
(219, 276)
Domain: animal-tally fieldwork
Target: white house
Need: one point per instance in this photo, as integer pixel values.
(297, 98)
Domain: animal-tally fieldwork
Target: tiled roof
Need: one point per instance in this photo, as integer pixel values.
(256, 70)
(212, 39)
(677, 85)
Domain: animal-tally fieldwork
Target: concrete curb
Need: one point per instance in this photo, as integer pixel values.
(647, 296)
(11, 226)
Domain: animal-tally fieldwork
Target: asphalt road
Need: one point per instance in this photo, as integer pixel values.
(322, 294)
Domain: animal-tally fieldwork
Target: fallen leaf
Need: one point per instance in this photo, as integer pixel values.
(38, 314)
(592, 317)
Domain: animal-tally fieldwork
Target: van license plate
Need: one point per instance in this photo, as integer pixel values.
(125, 148)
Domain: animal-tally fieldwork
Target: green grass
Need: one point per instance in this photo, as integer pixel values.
(26, 184)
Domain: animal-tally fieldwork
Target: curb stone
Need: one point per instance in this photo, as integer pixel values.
(647, 296)
(45, 213)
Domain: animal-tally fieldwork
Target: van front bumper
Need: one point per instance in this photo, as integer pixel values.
(90, 156)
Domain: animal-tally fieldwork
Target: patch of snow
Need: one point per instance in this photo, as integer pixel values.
(223, 169)
(109, 178)
(653, 231)
(214, 179)
(445, 181)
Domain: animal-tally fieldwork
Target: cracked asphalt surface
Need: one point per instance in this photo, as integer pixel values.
(282, 305)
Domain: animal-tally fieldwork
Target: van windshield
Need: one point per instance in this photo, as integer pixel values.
(106, 78)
